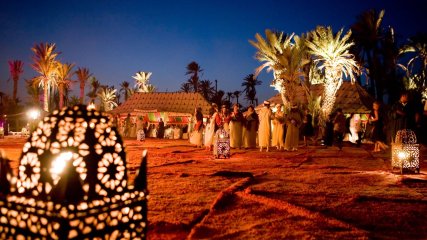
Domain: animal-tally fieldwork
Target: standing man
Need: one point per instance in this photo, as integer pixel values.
(161, 128)
(404, 115)
(264, 130)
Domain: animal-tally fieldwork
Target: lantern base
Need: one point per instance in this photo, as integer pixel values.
(119, 217)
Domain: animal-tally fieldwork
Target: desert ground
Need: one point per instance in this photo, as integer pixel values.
(313, 193)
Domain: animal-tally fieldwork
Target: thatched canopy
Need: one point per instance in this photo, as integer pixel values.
(352, 98)
(171, 104)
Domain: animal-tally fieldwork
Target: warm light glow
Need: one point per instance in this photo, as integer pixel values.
(91, 106)
(59, 163)
(402, 155)
(33, 114)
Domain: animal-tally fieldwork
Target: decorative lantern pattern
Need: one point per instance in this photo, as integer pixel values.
(222, 144)
(72, 183)
(405, 152)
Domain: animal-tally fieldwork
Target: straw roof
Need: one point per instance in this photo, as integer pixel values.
(171, 102)
(352, 98)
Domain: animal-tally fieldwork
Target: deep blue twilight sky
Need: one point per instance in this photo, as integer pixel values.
(115, 39)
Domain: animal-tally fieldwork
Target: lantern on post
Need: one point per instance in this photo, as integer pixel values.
(405, 152)
(72, 183)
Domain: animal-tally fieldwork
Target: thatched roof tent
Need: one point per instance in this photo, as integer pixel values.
(352, 98)
(163, 104)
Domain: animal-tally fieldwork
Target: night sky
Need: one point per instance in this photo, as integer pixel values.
(115, 39)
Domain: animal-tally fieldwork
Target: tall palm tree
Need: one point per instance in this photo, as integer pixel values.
(107, 97)
(142, 80)
(236, 94)
(207, 89)
(367, 34)
(65, 73)
(229, 95)
(416, 67)
(95, 87)
(44, 63)
(125, 88)
(83, 76)
(194, 70)
(331, 55)
(279, 54)
(249, 84)
(15, 69)
(269, 50)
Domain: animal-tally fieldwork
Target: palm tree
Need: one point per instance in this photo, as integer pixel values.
(142, 80)
(331, 55)
(32, 90)
(149, 88)
(74, 100)
(230, 95)
(218, 97)
(206, 89)
(64, 80)
(236, 94)
(279, 54)
(194, 69)
(125, 88)
(185, 87)
(249, 84)
(367, 35)
(107, 97)
(95, 87)
(83, 76)
(416, 67)
(44, 62)
(15, 69)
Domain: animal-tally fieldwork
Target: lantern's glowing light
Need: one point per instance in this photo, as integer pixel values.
(402, 155)
(58, 165)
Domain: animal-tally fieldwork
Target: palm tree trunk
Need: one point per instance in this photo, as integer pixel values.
(15, 88)
(61, 96)
(45, 98)
(82, 93)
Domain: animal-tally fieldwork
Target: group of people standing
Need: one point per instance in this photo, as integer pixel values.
(271, 129)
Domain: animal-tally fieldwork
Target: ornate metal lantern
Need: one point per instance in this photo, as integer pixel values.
(405, 152)
(72, 183)
(222, 144)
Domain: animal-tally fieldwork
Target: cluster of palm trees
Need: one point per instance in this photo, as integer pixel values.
(211, 93)
(367, 51)
(55, 79)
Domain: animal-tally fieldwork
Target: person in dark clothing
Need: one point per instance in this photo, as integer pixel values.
(404, 115)
(339, 128)
(376, 118)
(161, 129)
(329, 131)
(307, 127)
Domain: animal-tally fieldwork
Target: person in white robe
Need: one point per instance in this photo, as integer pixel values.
(264, 130)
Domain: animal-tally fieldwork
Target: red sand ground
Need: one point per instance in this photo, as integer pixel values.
(314, 193)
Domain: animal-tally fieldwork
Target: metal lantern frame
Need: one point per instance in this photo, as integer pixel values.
(72, 183)
(405, 152)
(222, 144)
